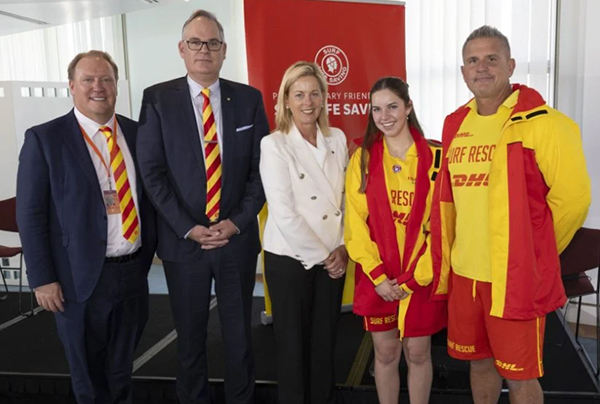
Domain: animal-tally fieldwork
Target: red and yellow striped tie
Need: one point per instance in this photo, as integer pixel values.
(129, 218)
(213, 159)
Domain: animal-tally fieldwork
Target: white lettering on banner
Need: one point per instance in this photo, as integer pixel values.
(356, 96)
(348, 109)
(356, 109)
(333, 109)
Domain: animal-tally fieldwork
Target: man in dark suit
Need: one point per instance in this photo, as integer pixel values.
(198, 150)
(88, 233)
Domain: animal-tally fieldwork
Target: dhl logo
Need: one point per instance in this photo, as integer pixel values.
(508, 366)
(472, 180)
(463, 134)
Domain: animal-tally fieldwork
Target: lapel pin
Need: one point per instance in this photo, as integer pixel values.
(228, 99)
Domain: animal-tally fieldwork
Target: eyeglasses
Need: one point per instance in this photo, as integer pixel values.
(212, 45)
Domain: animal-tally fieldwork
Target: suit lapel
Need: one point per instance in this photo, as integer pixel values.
(307, 161)
(189, 125)
(76, 143)
(228, 104)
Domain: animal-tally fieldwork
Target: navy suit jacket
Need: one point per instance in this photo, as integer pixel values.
(60, 208)
(170, 157)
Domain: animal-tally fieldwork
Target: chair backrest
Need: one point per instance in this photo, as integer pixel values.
(8, 215)
(582, 254)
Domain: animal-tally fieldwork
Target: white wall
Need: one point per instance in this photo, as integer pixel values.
(577, 96)
(152, 38)
(579, 84)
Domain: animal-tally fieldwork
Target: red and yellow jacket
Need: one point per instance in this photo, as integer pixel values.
(370, 234)
(539, 195)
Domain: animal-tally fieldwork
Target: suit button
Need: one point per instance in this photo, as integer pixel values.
(313, 197)
(104, 217)
(301, 176)
(103, 242)
(338, 213)
(324, 217)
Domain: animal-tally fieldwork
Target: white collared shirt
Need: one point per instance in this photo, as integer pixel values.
(116, 244)
(215, 103)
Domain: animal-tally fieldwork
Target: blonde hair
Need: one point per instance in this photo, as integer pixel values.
(283, 116)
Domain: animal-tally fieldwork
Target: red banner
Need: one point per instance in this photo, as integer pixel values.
(354, 43)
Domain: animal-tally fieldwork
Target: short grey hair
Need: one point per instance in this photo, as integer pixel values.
(487, 31)
(207, 15)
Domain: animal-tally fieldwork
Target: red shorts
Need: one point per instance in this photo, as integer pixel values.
(515, 345)
(377, 324)
(422, 317)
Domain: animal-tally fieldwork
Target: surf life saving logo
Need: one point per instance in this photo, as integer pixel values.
(334, 63)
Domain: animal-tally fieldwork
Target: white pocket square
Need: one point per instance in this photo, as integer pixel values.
(243, 128)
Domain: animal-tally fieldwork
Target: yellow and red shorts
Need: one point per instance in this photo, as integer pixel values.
(473, 334)
(383, 323)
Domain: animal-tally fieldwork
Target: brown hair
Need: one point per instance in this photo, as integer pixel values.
(397, 86)
(91, 54)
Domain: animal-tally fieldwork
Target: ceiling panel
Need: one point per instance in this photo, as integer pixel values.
(55, 12)
(10, 25)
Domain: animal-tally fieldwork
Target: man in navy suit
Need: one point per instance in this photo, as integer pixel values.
(183, 124)
(88, 233)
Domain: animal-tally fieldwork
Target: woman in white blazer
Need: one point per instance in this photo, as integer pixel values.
(302, 168)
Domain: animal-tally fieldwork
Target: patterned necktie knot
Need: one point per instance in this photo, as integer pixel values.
(205, 92)
(106, 131)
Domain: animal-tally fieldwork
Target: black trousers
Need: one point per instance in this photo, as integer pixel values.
(306, 309)
(189, 292)
(100, 335)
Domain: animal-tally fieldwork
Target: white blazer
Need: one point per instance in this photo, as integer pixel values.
(305, 202)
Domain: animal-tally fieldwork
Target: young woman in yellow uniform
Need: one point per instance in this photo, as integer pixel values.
(388, 198)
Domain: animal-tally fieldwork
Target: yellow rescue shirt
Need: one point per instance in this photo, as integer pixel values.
(469, 159)
(400, 176)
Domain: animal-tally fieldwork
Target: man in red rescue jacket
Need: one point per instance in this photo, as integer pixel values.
(512, 191)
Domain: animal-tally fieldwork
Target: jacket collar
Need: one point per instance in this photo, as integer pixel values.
(326, 178)
(528, 100)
